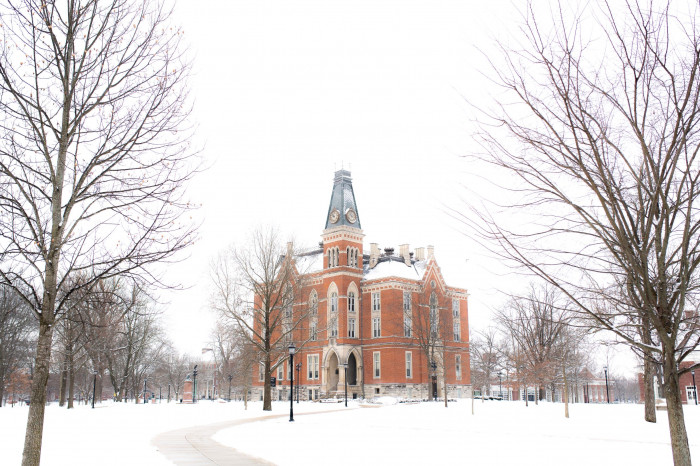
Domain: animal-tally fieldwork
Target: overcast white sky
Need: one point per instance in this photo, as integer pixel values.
(286, 92)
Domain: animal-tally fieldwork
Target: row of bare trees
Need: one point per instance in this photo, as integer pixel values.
(17, 340)
(539, 341)
(110, 335)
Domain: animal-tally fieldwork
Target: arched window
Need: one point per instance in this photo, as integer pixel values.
(334, 302)
(433, 315)
(313, 303)
(288, 300)
(351, 301)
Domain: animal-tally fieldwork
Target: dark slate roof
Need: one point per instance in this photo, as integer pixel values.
(343, 200)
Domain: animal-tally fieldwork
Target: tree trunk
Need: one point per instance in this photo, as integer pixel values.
(648, 376)
(71, 379)
(63, 382)
(649, 396)
(267, 391)
(444, 388)
(35, 422)
(472, 401)
(676, 420)
(565, 394)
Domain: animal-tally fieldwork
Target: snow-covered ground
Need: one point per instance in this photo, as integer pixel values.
(406, 434)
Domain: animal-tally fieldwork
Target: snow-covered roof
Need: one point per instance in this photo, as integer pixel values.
(310, 262)
(398, 269)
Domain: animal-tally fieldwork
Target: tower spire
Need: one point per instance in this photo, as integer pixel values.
(342, 210)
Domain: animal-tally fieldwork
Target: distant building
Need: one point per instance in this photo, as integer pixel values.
(367, 309)
(584, 387)
(687, 384)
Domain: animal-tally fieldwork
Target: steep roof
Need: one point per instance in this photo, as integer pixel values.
(394, 267)
(342, 210)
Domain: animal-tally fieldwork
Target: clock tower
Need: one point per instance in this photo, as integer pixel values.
(342, 237)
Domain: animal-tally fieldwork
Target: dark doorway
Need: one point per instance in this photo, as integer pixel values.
(435, 387)
(352, 370)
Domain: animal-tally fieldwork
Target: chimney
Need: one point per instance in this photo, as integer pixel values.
(373, 254)
(431, 251)
(290, 246)
(420, 254)
(403, 251)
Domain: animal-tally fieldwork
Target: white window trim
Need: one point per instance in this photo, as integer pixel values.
(409, 365)
(376, 327)
(376, 301)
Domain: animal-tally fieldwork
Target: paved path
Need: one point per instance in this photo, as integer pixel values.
(195, 446)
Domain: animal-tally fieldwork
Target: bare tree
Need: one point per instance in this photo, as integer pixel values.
(172, 370)
(599, 141)
(93, 153)
(538, 323)
(260, 289)
(135, 345)
(224, 345)
(487, 356)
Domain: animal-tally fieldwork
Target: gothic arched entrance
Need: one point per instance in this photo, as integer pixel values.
(352, 369)
(333, 373)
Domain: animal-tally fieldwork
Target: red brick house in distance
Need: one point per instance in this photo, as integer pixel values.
(367, 311)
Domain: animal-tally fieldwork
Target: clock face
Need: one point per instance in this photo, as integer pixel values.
(335, 216)
(351, 216)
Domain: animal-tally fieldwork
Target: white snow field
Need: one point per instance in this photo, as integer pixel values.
(387, 434)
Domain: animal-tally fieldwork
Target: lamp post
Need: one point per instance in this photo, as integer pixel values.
(345, 369)
(230, 378)
(433, 366)
(168, 393)
(160, 394)
(292, 349)
(607, 389)
(500, 384)
(194, 382)
(94, 386)
(298, 379)
(695, 388)
(144, 390)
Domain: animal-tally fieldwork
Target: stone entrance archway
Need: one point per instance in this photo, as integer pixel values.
(333, 373)
(352, 370)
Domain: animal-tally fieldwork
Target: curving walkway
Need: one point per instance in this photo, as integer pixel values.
(195, 446)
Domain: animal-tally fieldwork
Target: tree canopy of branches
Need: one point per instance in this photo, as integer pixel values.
(259, 288)
(598, 141)
(94, 153)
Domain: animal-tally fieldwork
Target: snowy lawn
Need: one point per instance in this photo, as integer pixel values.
(498, 433)
(118, 433)
(424, 433)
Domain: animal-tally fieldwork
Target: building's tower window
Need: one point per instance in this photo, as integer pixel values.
(409, 364)
(351, 328)
(377, 365)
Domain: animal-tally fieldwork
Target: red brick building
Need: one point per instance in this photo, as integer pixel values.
(374, 312)
(687, 384)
